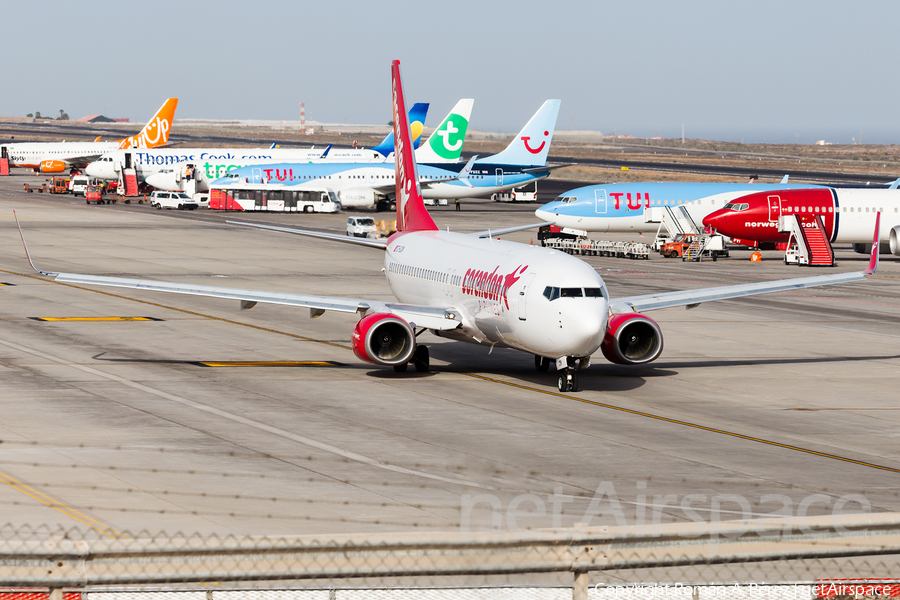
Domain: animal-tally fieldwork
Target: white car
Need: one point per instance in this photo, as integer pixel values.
(79, 183)
(179, 200)
(362, 227)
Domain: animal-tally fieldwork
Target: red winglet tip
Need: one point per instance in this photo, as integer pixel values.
(873, 259)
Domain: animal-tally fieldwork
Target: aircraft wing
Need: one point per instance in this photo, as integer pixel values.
(692, 298)
(429, 317)
(505, 230)
(532, 170)
(372, 243)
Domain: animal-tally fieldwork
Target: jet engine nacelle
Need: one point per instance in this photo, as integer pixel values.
(632, 339)
(358, 197)
(383, 339)
(895, 240)
(883, 248)
(53, 166)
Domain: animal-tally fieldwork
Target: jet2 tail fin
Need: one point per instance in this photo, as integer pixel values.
(411, 212)
(446, 142)
(416, 125)
(156, 131)
(532, 145)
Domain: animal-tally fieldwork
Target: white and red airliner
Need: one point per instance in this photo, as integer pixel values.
(475, 288)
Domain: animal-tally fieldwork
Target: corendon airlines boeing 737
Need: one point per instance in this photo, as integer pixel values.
(475, 288)
(57, 157)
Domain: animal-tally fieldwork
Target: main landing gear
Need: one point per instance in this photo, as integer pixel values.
(420, 360)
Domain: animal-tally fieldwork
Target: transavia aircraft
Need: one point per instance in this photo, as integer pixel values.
(475, 288)
(373, 186)
(621, 207)
(58, 157)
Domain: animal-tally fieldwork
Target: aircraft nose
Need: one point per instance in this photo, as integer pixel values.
(714, 219)
(93, 170)
(544, 214)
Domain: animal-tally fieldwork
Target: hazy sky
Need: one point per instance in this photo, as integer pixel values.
(761, 71)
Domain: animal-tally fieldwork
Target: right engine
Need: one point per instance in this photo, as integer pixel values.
(383, 339)
(632, 339)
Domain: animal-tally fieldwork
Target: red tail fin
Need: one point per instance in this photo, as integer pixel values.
(411, 212)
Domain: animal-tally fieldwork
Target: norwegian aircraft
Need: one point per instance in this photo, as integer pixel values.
(620, 207)
(58, 157)
(372, 185)
(165, 168)
(479, 289)
(848, 215)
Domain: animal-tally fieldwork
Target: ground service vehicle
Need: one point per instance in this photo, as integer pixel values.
(30, 189)
(169, 200)
(59, 185)
(361, 226)
(93, 193)
(677, 246)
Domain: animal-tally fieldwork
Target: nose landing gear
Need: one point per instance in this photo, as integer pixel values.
(568, 381)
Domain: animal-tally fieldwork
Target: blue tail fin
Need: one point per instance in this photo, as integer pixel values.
(416, 125)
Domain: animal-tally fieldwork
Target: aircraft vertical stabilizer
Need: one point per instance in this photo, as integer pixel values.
(446, 142)
(411, 212)
(416, 124)
(532, 145)
(156, 131)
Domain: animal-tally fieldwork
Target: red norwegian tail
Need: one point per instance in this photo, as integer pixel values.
(411, 212)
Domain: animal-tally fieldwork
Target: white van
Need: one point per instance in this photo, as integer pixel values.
(179, 200)
(361, 227)
(78, 184)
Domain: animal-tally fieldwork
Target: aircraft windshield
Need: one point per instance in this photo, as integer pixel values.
(737, 206)
(552, 293)
(567, 199)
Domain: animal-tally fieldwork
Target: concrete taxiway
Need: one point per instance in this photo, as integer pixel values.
(125, 410)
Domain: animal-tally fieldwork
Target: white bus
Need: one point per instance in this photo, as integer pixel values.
(258, 197)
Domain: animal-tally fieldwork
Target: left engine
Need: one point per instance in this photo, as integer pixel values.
(383, 339)
(53, 166)
(632, 339)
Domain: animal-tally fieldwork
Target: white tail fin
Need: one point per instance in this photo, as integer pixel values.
(446, 142)
(532, 145)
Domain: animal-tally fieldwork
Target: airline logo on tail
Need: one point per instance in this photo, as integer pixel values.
(537, 150)
(447, 140)
(156, 132)
(411, 212)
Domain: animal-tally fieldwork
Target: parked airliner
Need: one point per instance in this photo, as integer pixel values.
(848, 215)
(479, 289)
(372, 185)
(58, 157)
(620, 207)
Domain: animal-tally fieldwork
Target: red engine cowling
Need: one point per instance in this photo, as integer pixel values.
(632, 339)
(383, 339)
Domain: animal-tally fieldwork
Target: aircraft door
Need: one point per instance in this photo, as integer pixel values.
(600, 205)
(523, 296)
(3, 152)
(128, 163)
(774, 208)
(498, 177)
(256, 176)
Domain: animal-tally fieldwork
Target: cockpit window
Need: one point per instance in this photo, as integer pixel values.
(594, 292)
(737, 206)
(571, 293)
(551, 293)
(567, 199)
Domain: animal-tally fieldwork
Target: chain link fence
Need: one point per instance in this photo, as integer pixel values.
(813, 557)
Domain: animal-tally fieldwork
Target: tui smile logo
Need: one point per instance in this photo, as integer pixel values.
(537, 150)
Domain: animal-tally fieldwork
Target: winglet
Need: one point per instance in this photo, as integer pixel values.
(327, 150)
(873, 259)
(27, 254)
(785, 178)
(467, 169)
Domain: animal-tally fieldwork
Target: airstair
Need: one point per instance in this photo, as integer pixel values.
(675, 220)
(130, 181)
(808, 243)
(4, 161)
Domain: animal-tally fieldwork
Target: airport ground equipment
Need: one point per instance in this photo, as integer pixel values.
(93, 193)
(516, 195)
(588, 247)
(705, 245)
(59, 185)
(808, 245)
(28, 188)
